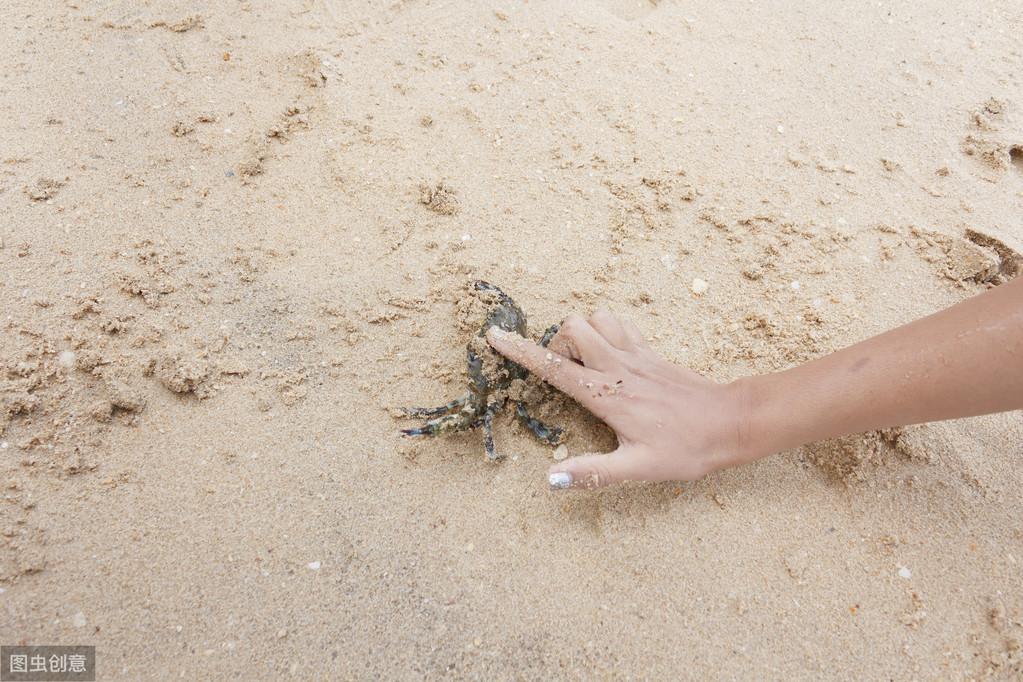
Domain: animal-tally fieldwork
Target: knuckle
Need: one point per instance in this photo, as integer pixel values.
(570, 327)
(559, 344)
(599, 476)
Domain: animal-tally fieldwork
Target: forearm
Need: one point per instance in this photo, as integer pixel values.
(963, 361)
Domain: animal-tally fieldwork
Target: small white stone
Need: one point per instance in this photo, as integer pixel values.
(795, 285)
(78, 620)
(2, 590)
(699, 286)
(781, 129)
(466, 237)
(905, 573)
(561, 452)
(4, 445)
(668, 261)
(314, 565)
(66, 359)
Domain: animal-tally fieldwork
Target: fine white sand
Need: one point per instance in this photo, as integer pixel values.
(236, 237)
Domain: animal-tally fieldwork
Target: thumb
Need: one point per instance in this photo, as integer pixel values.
(596, 471)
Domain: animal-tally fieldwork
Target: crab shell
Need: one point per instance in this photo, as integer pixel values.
(509, 317)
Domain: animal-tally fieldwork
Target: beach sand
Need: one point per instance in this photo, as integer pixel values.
(237, 236)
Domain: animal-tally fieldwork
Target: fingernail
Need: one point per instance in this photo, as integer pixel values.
(560, 480)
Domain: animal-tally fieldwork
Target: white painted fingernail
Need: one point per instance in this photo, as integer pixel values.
(560, 480)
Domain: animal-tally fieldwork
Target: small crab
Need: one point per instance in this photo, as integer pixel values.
(490, 376)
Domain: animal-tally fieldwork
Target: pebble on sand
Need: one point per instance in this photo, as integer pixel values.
(905, 573)
(699, 286)
(66, 359)
(561, 452)
(314, 565)
(78, 620)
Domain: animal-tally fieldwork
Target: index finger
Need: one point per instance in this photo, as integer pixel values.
(557, 370)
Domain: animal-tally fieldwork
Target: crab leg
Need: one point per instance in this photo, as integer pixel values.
(458, 421)
(548, 434)
(456, 404)
(549, 334)
(488, 430)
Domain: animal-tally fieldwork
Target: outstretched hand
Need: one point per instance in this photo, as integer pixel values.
(671, 423)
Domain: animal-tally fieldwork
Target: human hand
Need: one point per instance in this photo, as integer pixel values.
(671, 423)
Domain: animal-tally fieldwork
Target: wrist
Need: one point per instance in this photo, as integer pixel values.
(755, 431)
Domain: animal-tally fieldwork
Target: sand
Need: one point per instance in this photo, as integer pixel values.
(236, 237)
